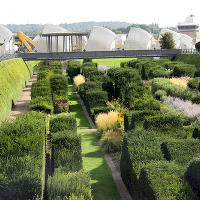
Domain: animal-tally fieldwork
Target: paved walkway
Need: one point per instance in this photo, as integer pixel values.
(22, 105)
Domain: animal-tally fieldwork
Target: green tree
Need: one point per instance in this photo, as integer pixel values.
(167, 41)
(197, 46)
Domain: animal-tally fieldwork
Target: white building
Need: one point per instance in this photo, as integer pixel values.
(138, 39)
(120, 41)
(6, 41)
(101, 39)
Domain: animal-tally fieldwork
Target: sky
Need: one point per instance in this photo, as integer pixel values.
(164, 12)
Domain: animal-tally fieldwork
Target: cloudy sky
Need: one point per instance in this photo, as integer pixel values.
(164, 12)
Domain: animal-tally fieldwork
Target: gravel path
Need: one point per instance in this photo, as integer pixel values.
(22, 105)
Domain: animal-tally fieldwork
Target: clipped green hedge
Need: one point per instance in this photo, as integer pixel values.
(67, 151)
(73, 68)
(164, 121)
(194, 83)
(22, 157)
(42, 104)
(163, 180)
(139, 148)
(62, 122)
(184, 70)
(75, 186)
(14, 74)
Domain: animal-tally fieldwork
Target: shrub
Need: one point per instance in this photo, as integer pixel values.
(164, 121)
(194, 83)
(22, 157)
(40, 88)
(193, 174)
(71, 185)
(139, 148)
(184, 70)
(99, 109)
(95, 98)
(160, 94)
(181, 150)
(74, 68)
(67, 151)
(111, 141)
(106, 121)
(44, 75)
(196, 133)
(14, 74)
(79, 80)
(163, 180)
(87, 70)
(42, 104)
(62, 122)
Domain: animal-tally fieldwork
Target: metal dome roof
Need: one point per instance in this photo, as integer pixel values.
(5, 34)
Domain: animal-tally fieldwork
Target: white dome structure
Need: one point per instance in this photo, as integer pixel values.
(6, 41)
(120, 41)
(138, 39)
(176, 37)
(186, 42)
(101, 39)
(42, 44)
(190, 20)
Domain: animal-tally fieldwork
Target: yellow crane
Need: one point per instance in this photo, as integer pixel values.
(27, 41)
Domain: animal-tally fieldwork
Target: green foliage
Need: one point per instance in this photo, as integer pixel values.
(44, 75)
(167, 41)
(139, 148)
(99, 109)
(22, 157)
(181, 150)
(196, 133)
(13, 76)
(160, 95)
(164, 180)
(193, 174)
(129, 123)
(63, 186)
(194, 83)
(42, 104)
(74, 68)
(67, 151)
(164, 121)
(62, 122)
(184, 70)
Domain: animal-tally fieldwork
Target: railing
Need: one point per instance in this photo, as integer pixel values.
(189, 51)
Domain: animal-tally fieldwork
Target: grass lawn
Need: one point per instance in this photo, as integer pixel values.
(103, 186)
(76, 109)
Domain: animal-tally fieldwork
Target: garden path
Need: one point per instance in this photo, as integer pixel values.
(95, 164)
(22, 105)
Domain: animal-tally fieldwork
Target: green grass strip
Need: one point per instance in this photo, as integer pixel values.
(103, 186)
(76, 108)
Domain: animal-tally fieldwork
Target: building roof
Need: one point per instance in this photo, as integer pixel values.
(190, 20)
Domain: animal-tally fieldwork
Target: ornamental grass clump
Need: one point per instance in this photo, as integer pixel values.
(78, 80)
(106, 121)
(180, 81)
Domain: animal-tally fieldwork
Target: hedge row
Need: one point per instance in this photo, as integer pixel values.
(14, 75)
(22, 157)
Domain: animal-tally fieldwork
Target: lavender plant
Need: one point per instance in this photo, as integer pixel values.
(187, 107)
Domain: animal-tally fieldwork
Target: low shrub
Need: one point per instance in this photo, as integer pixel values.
(194, 83)
(42, 104)
(160, 95)
(40, 88)
(44, 75)
(73, 68)
(69, 186)
(67, 151)
(164, 180)
(196, 133)
(100, 109)
(184, 70)
(139, 148)
(181, 150)
(111, 141)
(164, 121)
(62, 122)
(193, 174)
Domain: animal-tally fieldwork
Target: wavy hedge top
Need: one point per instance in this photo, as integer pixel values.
(14, 74)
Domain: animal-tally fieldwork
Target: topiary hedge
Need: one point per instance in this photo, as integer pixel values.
(194, 83)
(164, 180)
(62, 122)
(14, 74)
(73, 68)
(184, 70)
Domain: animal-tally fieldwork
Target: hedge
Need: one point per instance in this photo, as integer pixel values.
(66, 151)
(75, 186)
(42, 104)
(181, 150)
(163, 180)
(184, 70)
(22, 157)
(62, 122)
(193, 174)
(139, 148)
(73, 68)
(194, 83)
(164, 121)
(14, 74)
